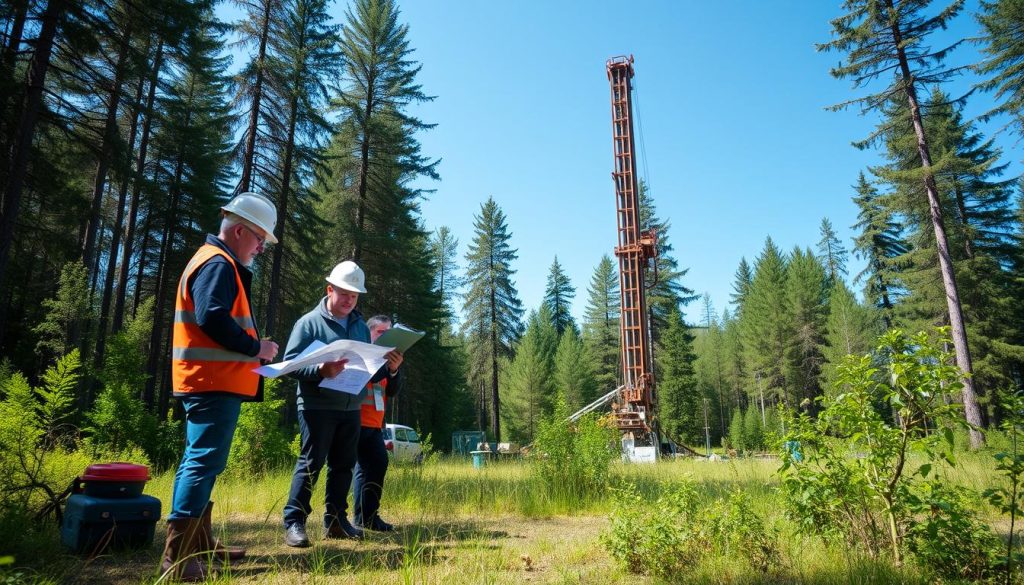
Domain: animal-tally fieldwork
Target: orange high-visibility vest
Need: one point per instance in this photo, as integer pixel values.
(369, 415)
(198, 363)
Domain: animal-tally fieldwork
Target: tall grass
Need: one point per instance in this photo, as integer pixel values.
(498, 524)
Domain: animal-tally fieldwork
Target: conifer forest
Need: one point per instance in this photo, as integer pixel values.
(124, 131)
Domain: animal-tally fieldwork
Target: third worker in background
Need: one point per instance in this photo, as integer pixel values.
(329, 420)
(372, 456)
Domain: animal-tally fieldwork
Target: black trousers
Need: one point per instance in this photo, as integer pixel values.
(371, 467)
(327, 436)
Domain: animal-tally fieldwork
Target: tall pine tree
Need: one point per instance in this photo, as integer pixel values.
(492, 308)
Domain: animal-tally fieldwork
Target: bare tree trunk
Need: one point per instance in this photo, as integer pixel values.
(956, 317)
(140, 166)
(156, 347)
(277, 265)
(106, 148)
(115, 241)
(9, 60)
(22, 146)
(140, 270)
(249, 155)
(364, 170)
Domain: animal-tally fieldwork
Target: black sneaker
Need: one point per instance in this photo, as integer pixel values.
(380, 525)
(295, 535)
(342, 528)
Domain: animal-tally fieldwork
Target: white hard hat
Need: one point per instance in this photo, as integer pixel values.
(349, 276)
(256, 209)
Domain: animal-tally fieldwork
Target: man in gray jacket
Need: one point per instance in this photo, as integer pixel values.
(329, 420)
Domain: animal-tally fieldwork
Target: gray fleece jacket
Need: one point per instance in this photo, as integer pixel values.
(319, 324)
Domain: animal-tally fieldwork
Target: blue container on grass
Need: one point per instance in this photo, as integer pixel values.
(108, 510)
(479, 458)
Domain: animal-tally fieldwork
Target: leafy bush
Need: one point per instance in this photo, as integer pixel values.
(947, 537)
(1010, 463)
(660, 539)
(669, 536)
(859, 481)
(573, 459)
(737, 530)
(260, 445)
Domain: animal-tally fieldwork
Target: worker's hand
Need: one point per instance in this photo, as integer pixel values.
(394, 361)
(330, 370)
(268, 349)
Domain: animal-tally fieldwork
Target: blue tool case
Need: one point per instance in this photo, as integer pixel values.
(92, 524)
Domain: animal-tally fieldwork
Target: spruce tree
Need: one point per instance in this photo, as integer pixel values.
(260, 20)
(666, 289)
(303, 57)
(492, 308)
(879, 243)
(558, 298)
(380, 83)
(680, 402)
(850, 329)
(741, 285)
(528, 384)
(766, 326)
(192, 178)
(601, 325)
(1003, 46)
(573, 373)
(885, 36)
(831, 251)
(444, 250)
(977, 202)
(806, 292)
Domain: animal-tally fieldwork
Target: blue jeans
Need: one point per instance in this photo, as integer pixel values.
(371, 466)
(210, 423)
(327, 436)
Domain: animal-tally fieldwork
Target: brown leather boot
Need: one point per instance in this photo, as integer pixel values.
(179, 562)
(208, 545)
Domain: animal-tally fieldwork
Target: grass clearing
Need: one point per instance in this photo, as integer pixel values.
(495, 525)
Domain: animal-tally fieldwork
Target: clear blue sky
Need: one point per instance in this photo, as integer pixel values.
(731, 95)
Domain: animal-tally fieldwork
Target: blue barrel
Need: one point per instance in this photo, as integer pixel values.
(479, 458)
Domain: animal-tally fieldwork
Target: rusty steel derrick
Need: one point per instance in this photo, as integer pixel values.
(635, 250)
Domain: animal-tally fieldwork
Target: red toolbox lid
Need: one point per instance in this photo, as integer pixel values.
(119, 471)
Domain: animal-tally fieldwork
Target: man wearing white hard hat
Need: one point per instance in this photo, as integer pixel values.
(329, 421)
(215, 347)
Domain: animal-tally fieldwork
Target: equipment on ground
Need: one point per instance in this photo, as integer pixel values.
(636, 400)
(108, 509)
(257, 210)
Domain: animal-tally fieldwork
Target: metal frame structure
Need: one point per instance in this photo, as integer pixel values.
(636, 249)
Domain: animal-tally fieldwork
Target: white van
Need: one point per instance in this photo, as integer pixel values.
(402, 443)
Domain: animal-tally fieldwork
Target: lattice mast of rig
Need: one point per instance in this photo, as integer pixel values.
(634, 410)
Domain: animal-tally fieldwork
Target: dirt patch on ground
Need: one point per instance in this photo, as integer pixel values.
(459, 550)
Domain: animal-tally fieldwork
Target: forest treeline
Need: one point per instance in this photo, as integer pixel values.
(123, 134)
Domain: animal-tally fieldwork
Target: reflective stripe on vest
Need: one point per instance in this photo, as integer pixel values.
(198, 363)
(369, 416)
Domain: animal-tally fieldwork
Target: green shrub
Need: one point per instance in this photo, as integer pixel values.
(660, 539)
(737, 530)
(947, 536)
(1006, 496)
(573, 459)
(859, 481)
(671, 535)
